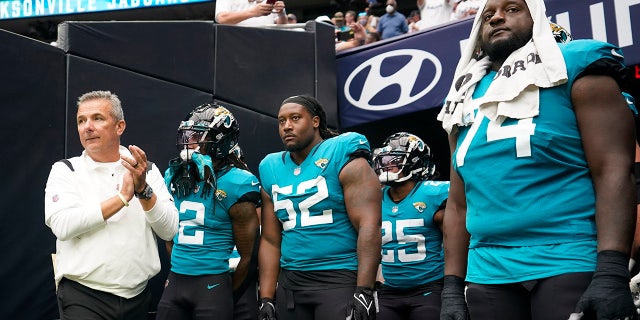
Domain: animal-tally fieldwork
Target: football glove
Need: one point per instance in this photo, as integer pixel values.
(267, 309)
(177, 178)
(364, 305)
(454, 305)
(608, 296)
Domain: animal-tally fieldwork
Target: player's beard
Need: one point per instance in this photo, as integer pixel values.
(501, 49)
(299, 144)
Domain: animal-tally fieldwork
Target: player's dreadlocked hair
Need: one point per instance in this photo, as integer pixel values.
(231, 160)
(315, 109)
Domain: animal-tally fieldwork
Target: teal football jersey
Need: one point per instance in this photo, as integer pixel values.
(309, 202)
(205, 237)
(530, 197)
(412, 252)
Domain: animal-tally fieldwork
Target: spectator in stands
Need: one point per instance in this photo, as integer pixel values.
(466, 8)
(250, 13)
(359, 38)
(413, 19)
(291, 18)
(372, 24)
(363, 18)
(349, 17)
(338, 21)
(106, 207)
(392, 23)
(434, 12)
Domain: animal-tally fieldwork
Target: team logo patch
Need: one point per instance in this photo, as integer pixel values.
(420, 206)
(560, 34)
(322, 163)
(220, 195)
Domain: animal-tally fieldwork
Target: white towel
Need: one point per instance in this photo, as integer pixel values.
(514, 91)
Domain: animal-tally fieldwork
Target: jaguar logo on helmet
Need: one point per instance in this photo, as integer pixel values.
(392, 79)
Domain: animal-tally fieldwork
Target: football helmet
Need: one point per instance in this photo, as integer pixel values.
(211, 128)
(404, 153)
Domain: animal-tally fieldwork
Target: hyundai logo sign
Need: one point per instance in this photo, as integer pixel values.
(392, 79)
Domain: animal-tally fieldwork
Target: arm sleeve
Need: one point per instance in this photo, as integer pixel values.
(67, 212)
(163, 217)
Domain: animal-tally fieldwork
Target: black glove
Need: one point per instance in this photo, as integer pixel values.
(181, 183)
(608, 297)
(454, 305)
(363, 306)
(267, 309)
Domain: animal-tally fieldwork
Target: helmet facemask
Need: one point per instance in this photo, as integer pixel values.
(190, 139)
(389, 164)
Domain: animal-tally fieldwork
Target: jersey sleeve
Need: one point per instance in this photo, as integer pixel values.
(352, 145)
(267, 171)
(631, 102)
(249, 189)
(438, 192)
(244, 187)
(592, 57)
(442, 191)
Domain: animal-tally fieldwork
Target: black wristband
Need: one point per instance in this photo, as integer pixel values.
(612, 263)
(366, 290)
(452, 281)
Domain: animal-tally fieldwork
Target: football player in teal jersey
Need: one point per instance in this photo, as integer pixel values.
(320, 221)
(541, 207)
(412, 211)
(216, 197)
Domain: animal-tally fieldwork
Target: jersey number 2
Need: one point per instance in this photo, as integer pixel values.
(198, 235)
